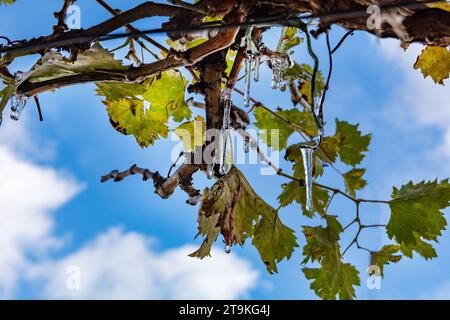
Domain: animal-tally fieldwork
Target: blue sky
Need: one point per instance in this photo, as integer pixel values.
(132, 244)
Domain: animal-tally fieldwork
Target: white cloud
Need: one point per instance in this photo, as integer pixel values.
(114, 265)
(442, 292)
(417, 102)
(119, 265)
(21, 138)
(28, 195)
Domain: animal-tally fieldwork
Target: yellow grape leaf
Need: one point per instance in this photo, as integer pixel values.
(167, 95)
(441, 5)
(129, 117)
(192, 133)
(434, 62)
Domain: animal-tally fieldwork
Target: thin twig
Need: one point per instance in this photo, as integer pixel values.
(175, 164)
(330, 71)
(350, 224)
(319, 117)
(254, 145)
(145, 37)
(294, 126)
(329, 201)
(373, 226)
(342, 41)
(38, 106)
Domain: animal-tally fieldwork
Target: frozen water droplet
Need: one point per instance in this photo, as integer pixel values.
(223, 165)
(210, 171)
(194, 200)
(18, 103)
(307, 154)
(227, 248)
(18, 76)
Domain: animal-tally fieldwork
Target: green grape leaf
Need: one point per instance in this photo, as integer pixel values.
(354, 181)
(233, 209)
(386, 255)
(322, 241)
(270, 123)
(288, 40)
(416, 216)
(144, 110)
(274, 240)
(352, 143)
(54, 66)
(117, 90)
(298, 72)
(192, 133)
(129, 117)
(423, 248)
(167, 95)
(329, 149)
(434, 62)
(294, 191)
(305, 88)
(7, 2)
(334, 277)
(332, 280)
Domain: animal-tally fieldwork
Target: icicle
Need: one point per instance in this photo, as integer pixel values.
(248, 80)
(246, 144)
(307, 154)
(18, 103)
(223, 159)
(256, 67)
(227, 248)
(1, 119)
(276, 72)
(227, 103)
(279, 67)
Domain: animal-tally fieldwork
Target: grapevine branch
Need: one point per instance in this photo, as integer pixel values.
(164, 187)
(425, 25)
(144, 36)
(351, 15)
